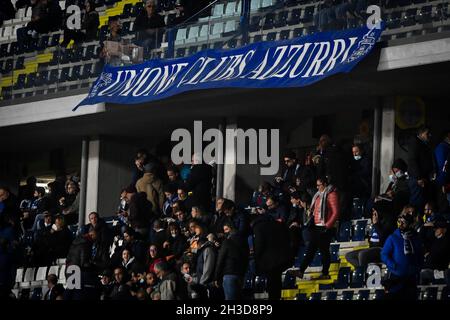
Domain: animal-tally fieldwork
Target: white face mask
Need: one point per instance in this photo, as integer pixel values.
(399, 174)
(357, 157)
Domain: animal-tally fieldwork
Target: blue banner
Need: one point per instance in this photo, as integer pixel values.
(278, 64)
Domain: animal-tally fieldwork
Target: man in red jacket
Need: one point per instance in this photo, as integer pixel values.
(324, 212)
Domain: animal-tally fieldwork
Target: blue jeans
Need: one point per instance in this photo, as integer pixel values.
(232, 286)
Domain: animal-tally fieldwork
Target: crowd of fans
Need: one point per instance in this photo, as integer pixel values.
(172, 240)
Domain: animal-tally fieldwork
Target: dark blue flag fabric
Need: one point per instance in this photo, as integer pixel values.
(275, 64)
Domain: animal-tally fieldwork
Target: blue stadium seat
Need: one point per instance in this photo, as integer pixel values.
(343, 279)
(14, 49)
(358, 277)
(126, 26)
(425, 15)
(31, 79)
(257, 38)
(295, 17)
(89, 53)
(334, 252)
(284, 35)
(19, 63)
(271, 36)
(43, 43)
(97, 69)
(410, 18)
(126, 13)
(64, 76)
(359, 230)
(232, 43)
(138, 7)
(56, 58)
(42, 78)
(281, 19)
(298, 32)
(55, 40)
(316, 296)
(317, 261)
(379, 294)
(430, 293)
(323, 287)
(269, 21)
(32, 45)
(192, 50)
(357, 208)
(301, 297)
(102, 33)
(53, 77)
(77, 55)
(311, 29)
(86, 71)
(260, 284)
(65, 56)
(8, 67)
(218, 45)
(20, 84)
(394, 20)
(7, 92)
(308, 15)
(76, 73)
(345, 228)
(331, 295)
(254, 24)
(403, 3)
(347, 295)
(4, 49)
(289, 281)
(445, 294)
(363, 294)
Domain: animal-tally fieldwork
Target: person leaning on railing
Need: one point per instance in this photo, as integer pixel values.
(148, 26)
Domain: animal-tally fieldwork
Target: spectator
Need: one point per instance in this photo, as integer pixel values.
(60, 239)
(151, 283)
(398, 190)
(148, 26)
(274, 209)
(291, 170)
(177, 243)
(325, 19)
(129, 262)
(180, 217)
(186, 201)
(113, 57)
(325, 212)
(174, 177)
(43, 238)
(26, 192)
(442, 155)
(135, 245)
(381, 229)
(153, 258)
(55, 289)
(296, 219)
(272, 252)
(420, 167)
(158, 235)
(402, 254)
(98, 251)
(206, 260)
(153, 187)
(437, 255)
(140, 160)
(99, 225)
(259, 197)
(232, 263)
(9, 209)
(140, 213)
(170, 193)
(199, 214)
(121, 290)
(305, 178)
(70, 208)
(169, 282)
(89, 27)
(239, 219)
(361, 174)
(106, 284)
(199, 183)
(39, 205)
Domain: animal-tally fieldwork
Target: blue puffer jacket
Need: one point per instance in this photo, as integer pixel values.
(395, 259)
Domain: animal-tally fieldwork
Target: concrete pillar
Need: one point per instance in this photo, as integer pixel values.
(92, 185)
(229, 168)
(387, 142)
